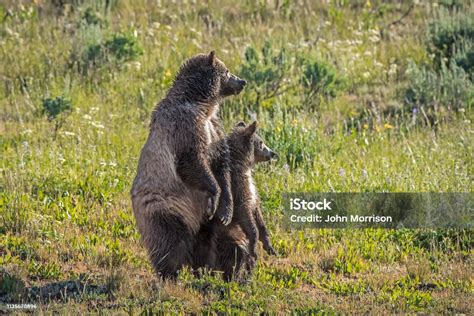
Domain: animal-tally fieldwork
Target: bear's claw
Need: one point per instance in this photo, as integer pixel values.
(211, 207)
(226, 217)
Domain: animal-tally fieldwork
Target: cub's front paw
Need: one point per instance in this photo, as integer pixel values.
(269, 249)
(225, 215)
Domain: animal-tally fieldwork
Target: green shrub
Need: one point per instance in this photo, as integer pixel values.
(267, 71)
(448, 32)
(53, 107)
(464, 58)
(118, 49)
(11, 286)
(321, 79)
(451, 88)
(123, 47)
(92, 17)
(452, 4)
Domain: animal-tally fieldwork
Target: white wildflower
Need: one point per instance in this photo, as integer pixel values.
(137, 65)
(196, 43)
(393, 69)
(374, 39)
(365, 174)
(97, 125)
(252, 115)
(374, 31)
(116, 181)
(61, 158)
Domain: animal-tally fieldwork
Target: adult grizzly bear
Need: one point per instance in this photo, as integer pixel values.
(183, 171)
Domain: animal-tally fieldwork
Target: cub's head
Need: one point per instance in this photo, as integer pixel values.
(205, 77)
(247, 147)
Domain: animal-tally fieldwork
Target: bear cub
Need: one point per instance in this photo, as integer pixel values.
(247, 148)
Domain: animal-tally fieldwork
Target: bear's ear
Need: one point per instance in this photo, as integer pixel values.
(240, 124)
(251, 129)
(212, 57)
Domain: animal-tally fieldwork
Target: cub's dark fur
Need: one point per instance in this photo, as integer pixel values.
(237, 243)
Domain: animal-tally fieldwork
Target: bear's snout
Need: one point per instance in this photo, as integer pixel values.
(239, 85)
(234, 85)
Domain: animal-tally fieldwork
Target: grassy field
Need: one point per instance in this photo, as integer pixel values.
(355, 96)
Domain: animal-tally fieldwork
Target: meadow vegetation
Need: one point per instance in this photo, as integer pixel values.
(354, 96)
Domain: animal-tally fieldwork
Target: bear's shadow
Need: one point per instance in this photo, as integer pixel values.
(57, 291)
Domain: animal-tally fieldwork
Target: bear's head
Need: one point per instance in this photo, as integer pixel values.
(247, 147)
(205, 78)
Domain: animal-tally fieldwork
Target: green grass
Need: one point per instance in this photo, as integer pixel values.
(64, 192)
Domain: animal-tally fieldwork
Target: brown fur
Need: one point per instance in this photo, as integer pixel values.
(237, 243)
(176, 187)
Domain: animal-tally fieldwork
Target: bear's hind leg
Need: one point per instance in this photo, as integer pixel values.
(169, 244)
(204, 251)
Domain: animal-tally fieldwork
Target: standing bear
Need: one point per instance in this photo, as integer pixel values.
(183, 172)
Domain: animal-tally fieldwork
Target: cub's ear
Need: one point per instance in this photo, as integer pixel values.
(212, 57)
(240, 124)
(251, 129)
